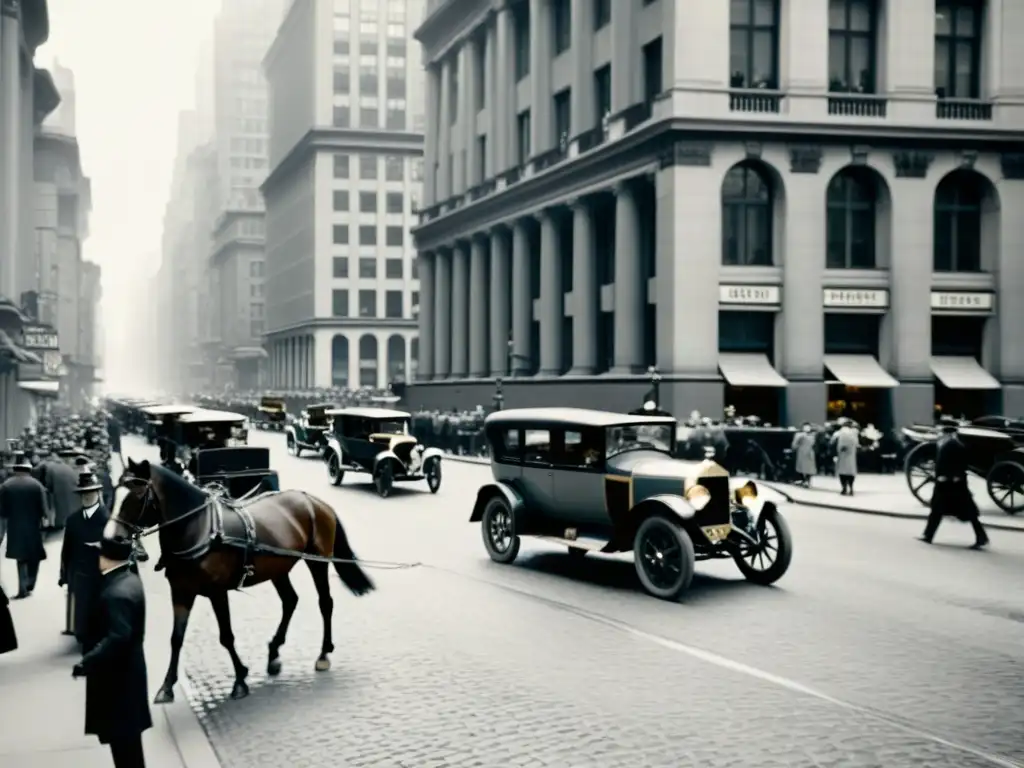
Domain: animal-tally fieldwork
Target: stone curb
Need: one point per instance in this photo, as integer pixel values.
(190, 739)
(824, 505)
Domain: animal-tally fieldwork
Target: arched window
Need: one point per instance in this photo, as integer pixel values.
(414, 356)
(851, 202)
(339, 361)
(747, 209)
(396, 358)
(368, 361)
(958, 204)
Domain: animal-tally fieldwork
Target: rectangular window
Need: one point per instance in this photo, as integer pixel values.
(369, 83)
(369, 46)
(754, 44)
(341, 200)
(368, 267)
(367, 235)
(395, 84)
(603, 93)
(958, 49)
(481, 159)
(563, 117)
(339, 302)
(480, 84)
(561, 26)
(521, 39)
(340, 267)
(505, 445)
(342, 81)
(851, 46)
(523, 137)
(394, 167)
(341, 46)
(393, 269)
(367, 166)
(369, 117)
(396, 46)
(367, 202)
(368, 303)
(341, 166)
(342, 116)
(395, 203)
(394, 120)
(602, 13)
(537, 446)
(393, 304)
(453, 91)
(394, 237)
(340, 234)
(652, 70)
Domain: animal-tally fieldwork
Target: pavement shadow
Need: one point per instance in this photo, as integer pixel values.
(399, 490)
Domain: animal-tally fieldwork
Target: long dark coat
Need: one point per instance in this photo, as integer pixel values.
(79, 567)
(23, 507)
(8, 639)
(116, 687)
(951, 496)
(107, 494)
(114, 435)
(61, 482)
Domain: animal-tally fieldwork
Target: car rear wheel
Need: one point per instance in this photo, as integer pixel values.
(766, 562)
(384, 479)
(289, 442)
(664, 558)
(432, 470)
(497, 527)
(334, 470)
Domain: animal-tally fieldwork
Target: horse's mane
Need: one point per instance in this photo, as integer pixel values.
(181, 495)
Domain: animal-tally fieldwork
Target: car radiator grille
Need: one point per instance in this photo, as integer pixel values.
(717, 512)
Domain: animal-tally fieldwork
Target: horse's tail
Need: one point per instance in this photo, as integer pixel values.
(348, 569)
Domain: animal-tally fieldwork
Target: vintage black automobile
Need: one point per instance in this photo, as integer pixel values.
(606, 482)
(271, 414)
(214, 446)
(309, 431)
(377, 442)
(161, 419)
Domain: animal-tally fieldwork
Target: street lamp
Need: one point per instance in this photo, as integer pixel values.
(655, 385)
(499, 397)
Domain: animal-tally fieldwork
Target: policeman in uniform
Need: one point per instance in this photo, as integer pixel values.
(951, 496)
(79, 559)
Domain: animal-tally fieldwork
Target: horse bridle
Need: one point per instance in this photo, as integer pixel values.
(149, 498)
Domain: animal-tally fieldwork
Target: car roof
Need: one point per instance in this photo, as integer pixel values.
(369, 413)
(584, 417)
(328, 406)
(168, 410)
(210, 417)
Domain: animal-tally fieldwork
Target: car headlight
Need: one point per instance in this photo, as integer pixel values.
(746, 497)
(699, 497)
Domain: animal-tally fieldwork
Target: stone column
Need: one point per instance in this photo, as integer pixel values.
(522, 300)
(444, 134)
(443, 315)
(910, 60)
(581, 97)
(504, 91)
(458, 136)
(492, 96)
(478, 363)
(551, 297)
(427, 319)
(10, 138)
(474, 169)
(541, 111)
(500, 306)
(625, 62)
(432, 134)
(460, 311)
(584, 291)
(630, 291)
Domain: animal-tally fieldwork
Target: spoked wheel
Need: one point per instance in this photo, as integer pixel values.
(290, 446)
(1005, 483)
(767, 561)
(499, 532)
(920, 471)
(384, 479)
(432, 470)
(664, 558)
(334, 470)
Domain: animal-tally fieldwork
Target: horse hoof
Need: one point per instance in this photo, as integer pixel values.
(322, 665)
(164, 696)
(274, 667)
(240, 691)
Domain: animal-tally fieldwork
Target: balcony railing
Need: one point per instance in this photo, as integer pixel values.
(482, 190)
(857, 105)
(756, 100)
(637, 114)
(595, 137)
(548, 159)
(963, 109)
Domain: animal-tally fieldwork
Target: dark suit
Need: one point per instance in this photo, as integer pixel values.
(61, 482)
(8, 639)
(79, 567)
(116, 689)
(951, 496)
(23, 507)
(107, 494)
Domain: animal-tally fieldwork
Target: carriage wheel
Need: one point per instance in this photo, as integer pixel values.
(919, 468)
(1005, 483)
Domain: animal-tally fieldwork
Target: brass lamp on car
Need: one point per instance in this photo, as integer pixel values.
(698, 496)
(746, 495)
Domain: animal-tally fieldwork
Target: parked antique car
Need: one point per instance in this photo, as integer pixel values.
(271, 414)
(377, 442)
(214, 443)
(309, 431)
(160, 420)
(606, 482)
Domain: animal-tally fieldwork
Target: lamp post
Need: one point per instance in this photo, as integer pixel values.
(655, 385)
(499, 397)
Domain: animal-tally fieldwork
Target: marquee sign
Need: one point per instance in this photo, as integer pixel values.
(750, 294)
(965, 301)
(856, 298)
(40, 337)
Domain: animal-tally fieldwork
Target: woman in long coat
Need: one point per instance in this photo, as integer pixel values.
(846, 441)
(806, 465)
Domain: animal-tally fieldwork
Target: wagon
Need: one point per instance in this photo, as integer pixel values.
(309, 431)
(995, 454)
(271, 414)
(602, 482)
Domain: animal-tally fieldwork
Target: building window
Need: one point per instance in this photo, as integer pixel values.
(369, 117)
(523, 137)
(340, 267)
(342, 117)
(851, 46)
(561, 26)
(394, 237)
(339, 302)
(393, 304)
(653, 75)
(396, 46)
(563, 117)
(340, 234)
(851, 202)
(369, 46)
(367, 202)
(603, 93)
(480, 85)
(367, 166)
(255, 269)
(395, 118)
(747, 203)
(341, 166)
(754, 44)
(394, 168)
(959, 201)
(342, 81)
(368, 267)
(341, 200)
(521, 39)
(394, 202)
(368, 303)
(341, 46)
(367, 235)
(369, 83)
(958, 49)
(393, 269)
(602, 13)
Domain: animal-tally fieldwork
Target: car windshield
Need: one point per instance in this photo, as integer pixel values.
(396, 427)
(632, 437)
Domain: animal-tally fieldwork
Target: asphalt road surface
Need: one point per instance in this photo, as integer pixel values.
(874, 650)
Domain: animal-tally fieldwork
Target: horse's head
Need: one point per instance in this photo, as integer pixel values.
(138, 503)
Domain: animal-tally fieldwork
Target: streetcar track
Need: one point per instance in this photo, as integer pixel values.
(738, 667)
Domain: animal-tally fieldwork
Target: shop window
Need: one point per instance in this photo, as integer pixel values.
(854, 334)
(746, 332)
(851, 334)
(958, 336)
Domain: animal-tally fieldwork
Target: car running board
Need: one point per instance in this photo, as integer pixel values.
(583, 542)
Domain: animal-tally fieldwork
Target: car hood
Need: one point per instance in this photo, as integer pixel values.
(654, 465)
(392, 440)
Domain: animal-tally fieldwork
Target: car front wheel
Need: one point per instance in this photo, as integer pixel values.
(664, 558)
(432, 470)
(334, 470)
(498, 530)
(766, 562)
(384, 479)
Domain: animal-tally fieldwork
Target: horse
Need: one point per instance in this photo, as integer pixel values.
(211, 545)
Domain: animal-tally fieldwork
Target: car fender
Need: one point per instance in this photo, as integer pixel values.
(489, 491)
(333, 447)
(386, 456)
(432, 453)
(290, 430)
(768, 511)
(674, 506)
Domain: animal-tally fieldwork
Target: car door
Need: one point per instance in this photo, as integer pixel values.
(579, 477)
(537, 478)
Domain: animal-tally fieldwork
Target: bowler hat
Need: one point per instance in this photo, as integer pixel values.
(117, 548)
(87, 482)
(21, 463)
(82, 461)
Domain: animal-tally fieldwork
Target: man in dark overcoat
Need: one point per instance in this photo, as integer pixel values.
(951, 496)
(79, 558)
(23, 509)
(8, 638)
(61, 481)
(114, 662)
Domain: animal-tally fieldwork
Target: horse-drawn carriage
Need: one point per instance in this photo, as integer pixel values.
(309, 431)
(271, 414)
(995, 449)
(219, 455)
(161, 419)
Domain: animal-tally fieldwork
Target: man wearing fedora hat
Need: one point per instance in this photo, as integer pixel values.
(23, 509)
(951, 496)
(114, 662)
(79, 559)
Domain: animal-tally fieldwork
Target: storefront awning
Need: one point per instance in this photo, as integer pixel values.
(18, 354)
(963, 373)
(743, 369)
(42, 387)
(859, 371)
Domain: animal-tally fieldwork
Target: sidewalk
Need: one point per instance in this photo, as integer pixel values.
(44, 708)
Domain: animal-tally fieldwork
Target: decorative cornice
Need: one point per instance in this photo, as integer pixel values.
(911, 165)
(859, 154)
(805, 158)
(344, 323)
(687, 153)
(753, 150)
(1012, 164)
(968, 158)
